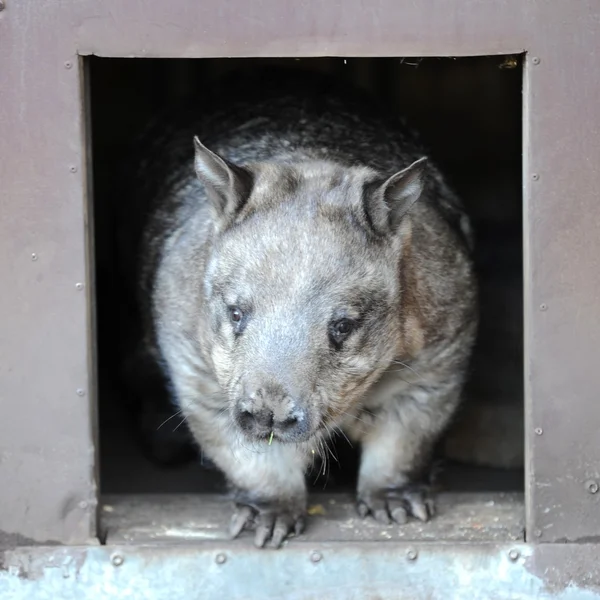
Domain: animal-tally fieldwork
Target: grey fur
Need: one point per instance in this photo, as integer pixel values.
(301, 208)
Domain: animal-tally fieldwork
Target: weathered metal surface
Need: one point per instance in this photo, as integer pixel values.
(46, 451)
(333, 518)
(183, 28)
(562, 271)
(301, 571)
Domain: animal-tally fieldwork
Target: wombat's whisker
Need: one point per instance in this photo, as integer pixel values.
(355, 417)
(180, 424)
(222, 411)
(324, 451)
(399, 362)
(242, 441)
(340, 431)
(373, 415)
(169, 418)
(184, 407)
(327, 445)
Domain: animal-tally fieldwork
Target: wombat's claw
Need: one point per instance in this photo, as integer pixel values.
(268, 524)
(397, 505)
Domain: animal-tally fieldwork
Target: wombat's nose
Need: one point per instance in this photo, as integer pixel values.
(292, 425)
(257, 422)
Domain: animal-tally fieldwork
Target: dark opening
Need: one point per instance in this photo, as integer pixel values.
(468, 111)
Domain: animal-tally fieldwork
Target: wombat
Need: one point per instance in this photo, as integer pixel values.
(301, 268)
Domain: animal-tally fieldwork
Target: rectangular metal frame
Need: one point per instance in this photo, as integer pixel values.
(47, 455)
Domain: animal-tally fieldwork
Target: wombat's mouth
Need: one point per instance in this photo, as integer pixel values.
(291, 434)
(273, 436)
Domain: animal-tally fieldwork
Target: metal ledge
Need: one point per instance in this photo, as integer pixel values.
(461, 517)
(302, 571)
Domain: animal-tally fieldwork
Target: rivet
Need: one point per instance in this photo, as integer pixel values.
(538, 431)
(538, 533)
(80, 392)
(316, 557)
(68, 64)
(543, 306)
(79, 286)
(535, 176)
(514, 555)
(220, 558)
(592, 486)
(117, 560)
(535, 60)
(83, 505)
(73, 169)
(34, 257)
(412, 554)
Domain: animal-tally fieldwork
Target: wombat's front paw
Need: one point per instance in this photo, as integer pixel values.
(273, 522)
(397, 504)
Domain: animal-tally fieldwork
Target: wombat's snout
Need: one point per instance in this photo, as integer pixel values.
(269, 410)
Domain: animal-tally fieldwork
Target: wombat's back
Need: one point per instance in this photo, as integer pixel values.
(266, 114)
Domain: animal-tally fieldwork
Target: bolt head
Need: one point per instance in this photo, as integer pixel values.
(514, 554)
(316, 557)
(220, 558)
(412, 554)
(117, 560)
(592, 486)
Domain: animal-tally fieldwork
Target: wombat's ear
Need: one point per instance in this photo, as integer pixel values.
(391, 200)
(227, 185)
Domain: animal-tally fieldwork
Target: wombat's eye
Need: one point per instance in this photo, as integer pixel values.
(235, 314)
(340, 330)
(343, 327)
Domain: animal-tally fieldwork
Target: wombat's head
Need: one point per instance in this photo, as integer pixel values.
(302, 287)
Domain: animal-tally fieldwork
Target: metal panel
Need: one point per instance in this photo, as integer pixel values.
(365, 571)
(562, 272)
(270, 28)
(46, 451)
(46, 454)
